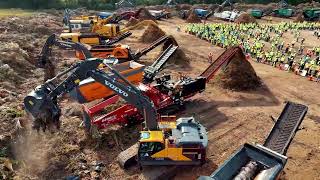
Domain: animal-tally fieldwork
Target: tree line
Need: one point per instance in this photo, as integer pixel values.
(110, 4)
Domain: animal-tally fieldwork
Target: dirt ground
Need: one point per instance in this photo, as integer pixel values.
(231, 118)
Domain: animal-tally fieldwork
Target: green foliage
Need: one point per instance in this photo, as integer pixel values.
(110, 4)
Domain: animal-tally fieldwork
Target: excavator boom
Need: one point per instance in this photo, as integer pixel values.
(52, 40)
(43, 100)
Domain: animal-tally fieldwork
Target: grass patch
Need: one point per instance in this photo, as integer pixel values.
(15, 12)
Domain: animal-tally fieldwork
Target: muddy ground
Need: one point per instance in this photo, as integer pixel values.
(232, 118)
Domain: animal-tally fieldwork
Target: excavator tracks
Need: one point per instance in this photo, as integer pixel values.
(128, 157)
(224, 58)
(285, 128)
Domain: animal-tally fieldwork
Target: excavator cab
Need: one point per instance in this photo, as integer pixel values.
(151, 142)
(183, 144)
(78, 25)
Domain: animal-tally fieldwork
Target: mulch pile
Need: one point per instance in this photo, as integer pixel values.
(193, 18)
(200, 6)
(21, 40)
(239, 75)
(179, 57)
(132, 21)
(245, 18)
(299, 18)
(312, 4)
(144, 14)
(213, 7)
(152, 33)
(184, 7)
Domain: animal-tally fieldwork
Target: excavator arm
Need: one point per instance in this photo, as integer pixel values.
(220, 8)
(66, 19)
(227, 3)
(283, 4)
(43, 57)
(42, 103)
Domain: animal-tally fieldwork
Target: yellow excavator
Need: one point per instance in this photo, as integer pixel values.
(86, 23)
(164, 141)
(103, 33)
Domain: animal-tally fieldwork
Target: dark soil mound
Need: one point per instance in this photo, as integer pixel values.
(239, 75)
(193, 18)
(152, 33)
(245, 18)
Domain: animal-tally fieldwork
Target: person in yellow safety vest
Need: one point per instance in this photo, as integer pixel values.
(210, 57)
(282, 60)
(274, 61)
(318, 51)
(318, 74)
(259, 56)
(310, 64)
(266, 57)
(313, 70)
(270, 58)
(307, 67)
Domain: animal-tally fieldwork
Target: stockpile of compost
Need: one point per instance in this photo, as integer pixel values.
(245, 18)
(239, 75)
(193, 17)
(152, 33)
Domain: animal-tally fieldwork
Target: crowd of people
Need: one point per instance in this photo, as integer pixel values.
(267, 43)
